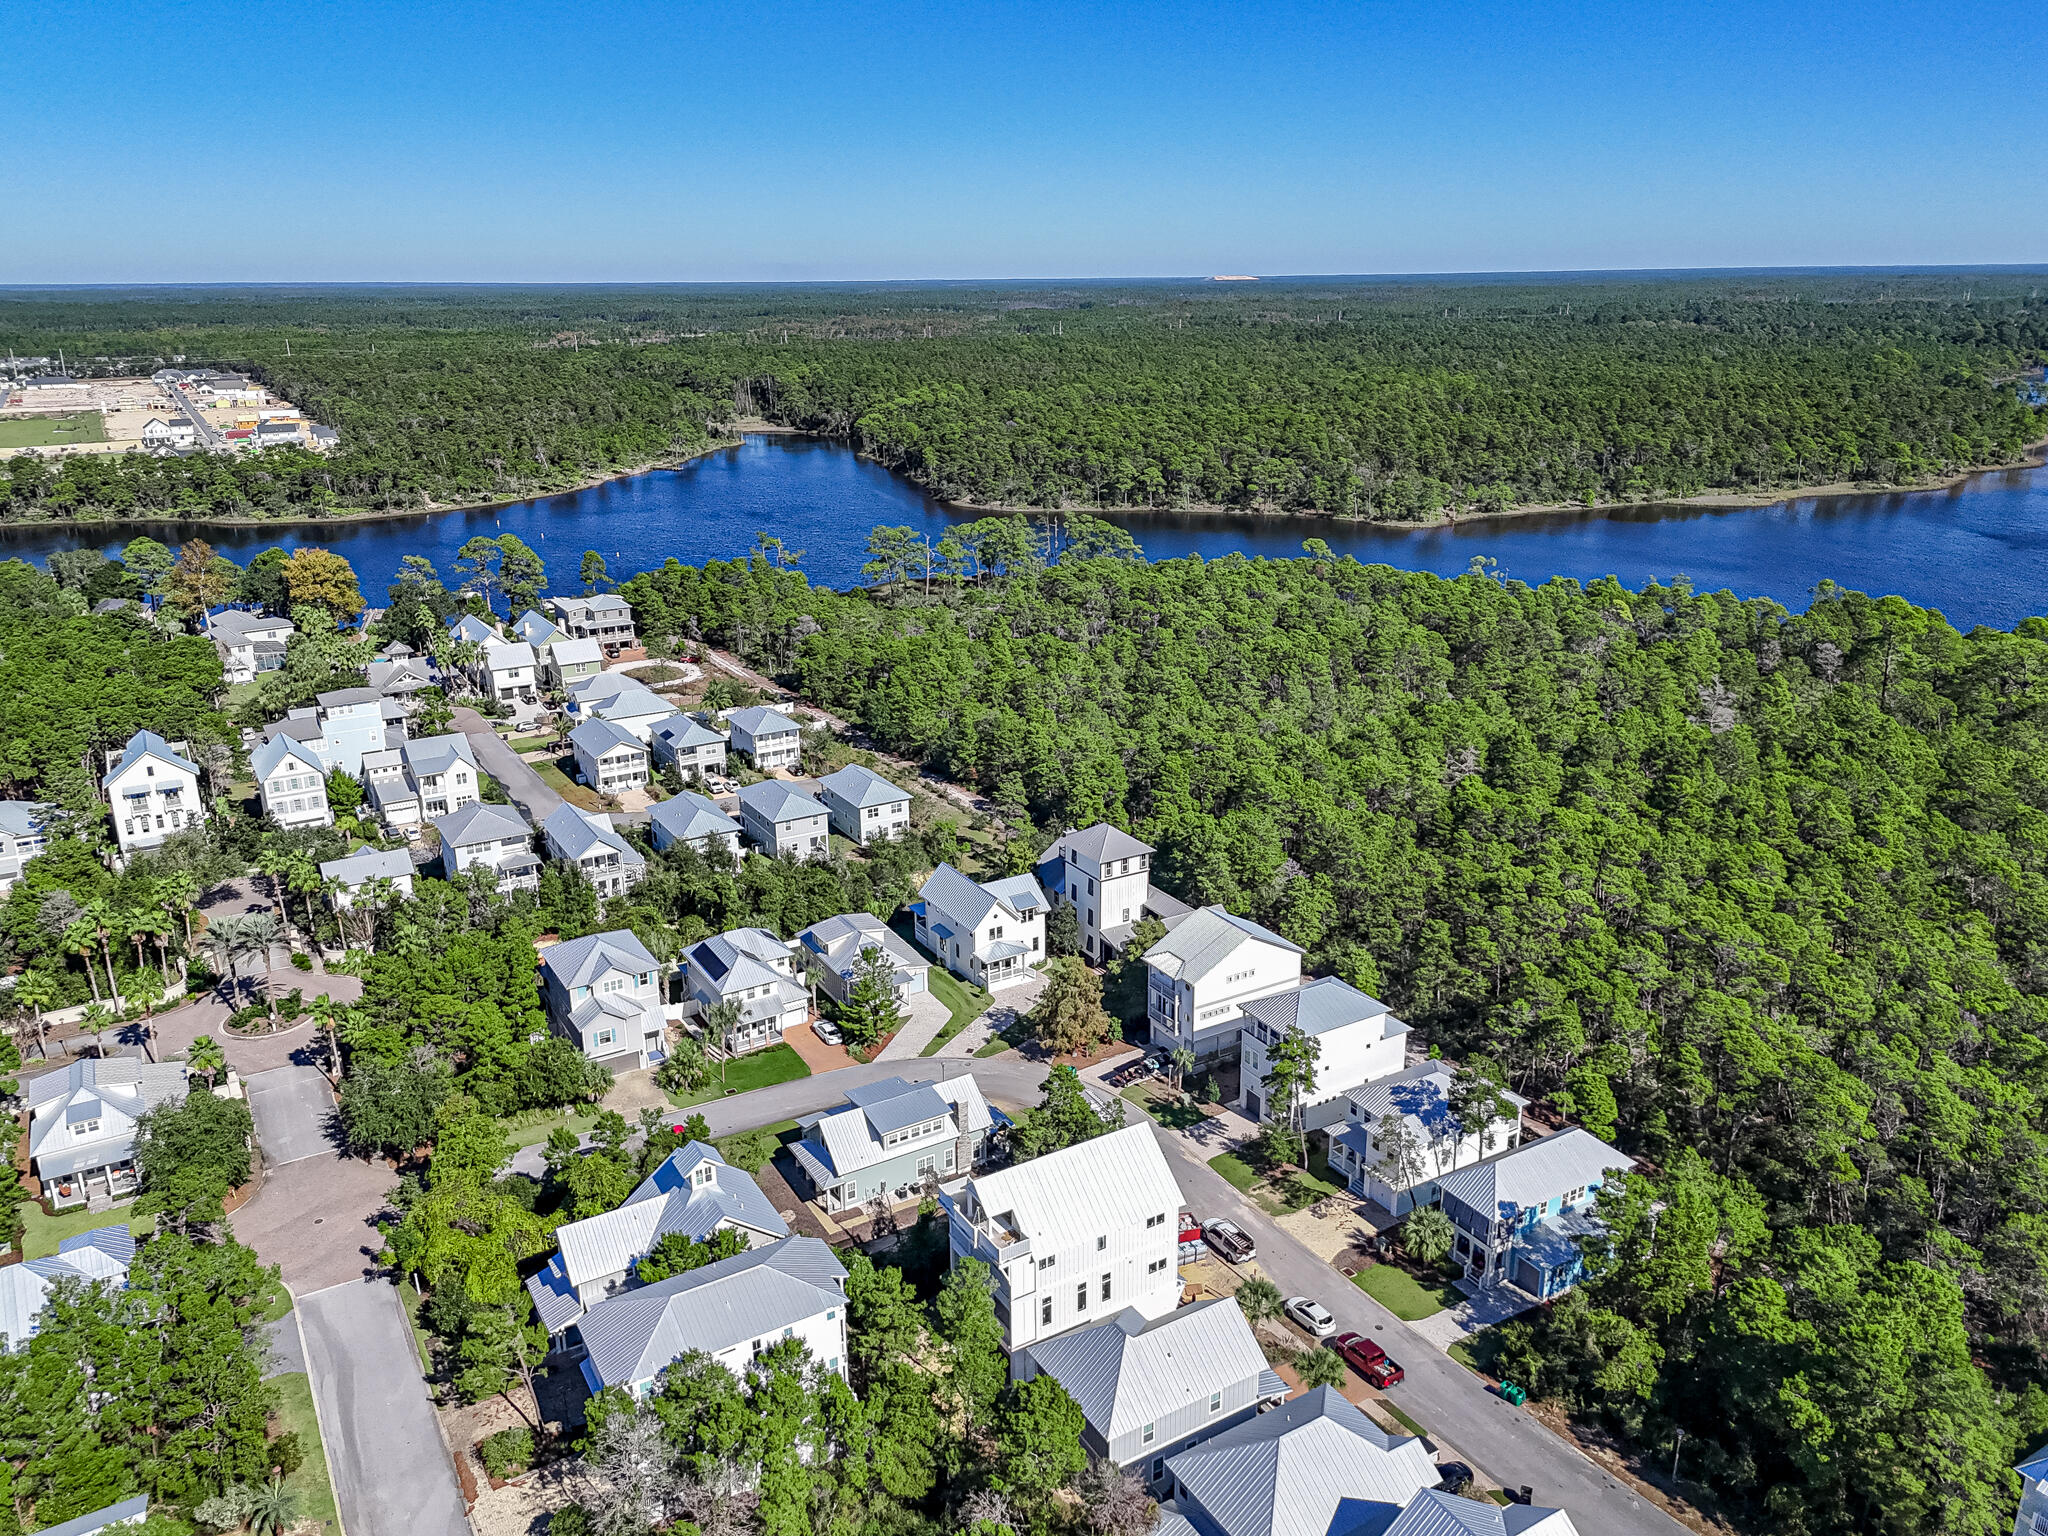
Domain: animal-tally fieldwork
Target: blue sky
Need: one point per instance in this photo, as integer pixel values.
(184, 142)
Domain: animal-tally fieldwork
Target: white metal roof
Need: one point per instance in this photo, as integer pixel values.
(861, 787)
(1535, 1171)
(1206, 939)
(1126, 1372)
(1080, 1192)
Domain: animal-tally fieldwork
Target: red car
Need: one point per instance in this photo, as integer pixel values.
(1367, 1358)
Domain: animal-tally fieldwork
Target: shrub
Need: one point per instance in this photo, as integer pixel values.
(286, 1454)
(301, 962)
(507, 1452)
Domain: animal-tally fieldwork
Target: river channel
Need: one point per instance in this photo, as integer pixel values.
(1978, 551)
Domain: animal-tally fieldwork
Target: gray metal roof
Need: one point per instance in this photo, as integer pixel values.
(368, 864)
(1206, 939)
(579, 962)
(630, 703)
(1099, 844)
(569, 652)
(25, 818)
(688, 816)
(684, 732)
(1435, 1513)
(840, 941)
(861, 787)
(338, 697)
(470, 627)
(1321, 1006)
(759, 720)
(775, 801)
(754, 1295)
(667, 1200)
(127, 1512)
(437, 754)
(1126, 1373)
(554, 1298)
(271, 756)
(481, 823)
(850, 1138)
(599, 736)
(1535, 1171)
(969, 902)
(1420, 1095)
(146, 744)
(233, 625)
(1315, 1466)
(572, 833)
(503, 654)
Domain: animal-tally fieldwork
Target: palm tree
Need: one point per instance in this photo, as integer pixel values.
(147, 988)
(302, 875)
(232, 940)
(101, 914)
(35, 990)
(1183, 1059)
(80, 939)
(178, 893)
(205, 1057)
(273, 861)
(272, 1510)
(154, 925)
(97, 1018)
(325, 1011)
(1427, 1234)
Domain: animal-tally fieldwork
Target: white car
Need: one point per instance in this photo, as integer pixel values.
(827, 1031)
(1312, 1317)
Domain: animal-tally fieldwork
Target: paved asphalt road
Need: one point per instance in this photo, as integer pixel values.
(392, 1472)
(507, 767)
(292, 1106)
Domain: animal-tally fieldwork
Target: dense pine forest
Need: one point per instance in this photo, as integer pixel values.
(1760, 896)
(1387, 399)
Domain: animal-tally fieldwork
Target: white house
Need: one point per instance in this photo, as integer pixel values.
(590, 842)
(248, 643)
(605, 618)
(694, 821)
(1105, 875)
(755, 971)
(688, 743)
(616, 697)
(292, 783)
(784, 822)
(422, 779)
(694, 1192)
(1149, 1388)
(493, 837)
(509, 672)
(837, 945)
(357, 875)
(1203, 973)
(81, 1137)
(864, 806)
(1357, 1040)
(604, 993)
(1399, 1136)
(98, 1257)
(25, 828)
(470, 629)
(889, 1139)
(767, 738)
(168, 433)
(609, 758)
(153, 791)
(1073, 1237)
(990, 933)
(731, 1311)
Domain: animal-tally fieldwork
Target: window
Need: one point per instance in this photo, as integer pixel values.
(1081, 1297)
(1573, 1196)
(1045, 1263)
(1155, 1266)
(1045, 1313)
(1155, 1221)
(85, 1128)
(1105, 1287)
(1151, 1433)
(1158, 1468)
(1101, 1243)
(1215, 1402)
(830, 1313)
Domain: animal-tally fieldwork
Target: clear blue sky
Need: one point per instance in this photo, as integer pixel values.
(617, 142)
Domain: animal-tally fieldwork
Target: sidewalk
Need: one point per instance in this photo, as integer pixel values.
(1475, 1314)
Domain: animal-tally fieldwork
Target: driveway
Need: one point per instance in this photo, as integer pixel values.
(392, 1472)
(507, 767)
(176, 1028)
(293, 1107)
(926, 1016)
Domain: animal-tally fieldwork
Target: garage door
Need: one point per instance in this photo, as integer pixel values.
(1527, 1277)
(914, 982)
(1251, 1106)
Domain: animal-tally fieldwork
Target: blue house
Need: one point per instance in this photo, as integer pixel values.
(1521, 1216)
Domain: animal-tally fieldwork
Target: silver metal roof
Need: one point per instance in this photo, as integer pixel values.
(1321, 1006)
(599, 736)
(775, 801)
(689, 816)
(1098, 845)
(861, 787)
(667, 1200)
(368, 864)
(969, 902)
(1125, 1373)
(1535, 1171)
(1101, 1185)
(481, 824)
(579, 962)
(1206, 939)
(758, 720)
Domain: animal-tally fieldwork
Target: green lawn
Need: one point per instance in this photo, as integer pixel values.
(1278, 1193)
(1164, 1105)
(963, 999)
(1407, 1423)
(552, 776)
(310, 1488)
(529, 1128)
(51, 431)
(751, 1150)
(44, 1233)
(743, 1074)
(1237, 1173)
(1403, 1295)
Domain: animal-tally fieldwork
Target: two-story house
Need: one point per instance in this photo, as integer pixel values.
(991, 933)
(616, 697)
(357, 877)
(837, 946)
(249, 644)
(153, 791)
(1356, 1040)
(1203, 973)
(429, 777)
(292, 784)
(694, 1192)
(566, 662)
(863, 805)
(890, 1138)
(1149, 1388)
(493, 837)
(688, 743)
(1522, 1214)
(731, 1311)
(1105, 875)
(765, 737)
(354, 721)
(536, 630)
(98, 1257)
(1074, 1236)
(25, 830)
(1400, 1137)
(604, 994)
(757, 973)
(2032, 1519)
(784, 822)
(609, 758)
(474, 629)
(81, 1135)
(692, 821)
(606, 618)
(589, 841)
(401, 679)
(509, 672)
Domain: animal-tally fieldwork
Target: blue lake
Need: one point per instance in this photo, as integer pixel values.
(1977, 551)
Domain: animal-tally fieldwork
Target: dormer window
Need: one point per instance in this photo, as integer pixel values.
(85, 1128)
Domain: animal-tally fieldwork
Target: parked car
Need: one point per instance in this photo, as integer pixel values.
(1311, 1316)
(1190, 1229)
(1367, 1358)
(827, 1031)
(1230, 1242)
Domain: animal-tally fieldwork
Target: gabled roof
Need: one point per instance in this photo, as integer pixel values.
(574, 653)
(1435, 1513)
(534, 629)
(1206, 939)
(146, 744)
(1104, 1184)
(1127, 1372)
(368, 864)
(234, 625)
(840, 941)
(102, 1254)
(1315, 1466)
(1535, 1171)
(667, 1200)
(968, 902)
(574, 833)
(500, 655)
(340, 697)
(437, 754)
(862, 787)
(2035, 1467)
(481, 824)
(271, 756)
(600, 736)
(115, 1517)
(754, 1295)
(760, 720)
(470, 627)
(1099, 844)
(1420, 1095)
(684, 732)
(579, 962)
(689, 816)
(739, 958)
(1321, 1006)
(635, 702)
(25, 818)
(775, 801)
